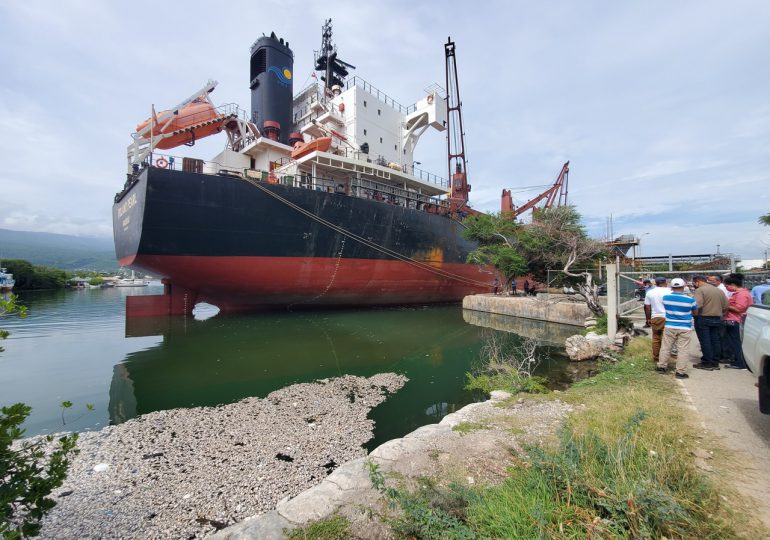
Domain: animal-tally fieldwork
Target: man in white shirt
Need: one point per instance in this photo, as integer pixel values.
(716, 281)
(655, 314)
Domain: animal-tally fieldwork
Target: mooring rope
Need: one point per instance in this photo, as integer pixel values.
(368, 243)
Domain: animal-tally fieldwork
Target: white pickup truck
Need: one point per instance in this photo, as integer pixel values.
(756, 350)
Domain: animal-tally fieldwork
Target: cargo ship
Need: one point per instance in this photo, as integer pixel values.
(316, 200)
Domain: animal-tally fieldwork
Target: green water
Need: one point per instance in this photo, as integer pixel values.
(77, 346)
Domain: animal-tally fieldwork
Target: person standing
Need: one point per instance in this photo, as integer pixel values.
(712, 305)
(655, 314)
(526, 287)
(724, 356)
(759, 291)
(716, 281)
(513, 286)
(739, 302)
(680, 310)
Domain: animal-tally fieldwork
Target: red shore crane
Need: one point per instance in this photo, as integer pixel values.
(557, 193)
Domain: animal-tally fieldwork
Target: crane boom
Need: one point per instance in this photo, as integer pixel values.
(455, 138)
(557, 193)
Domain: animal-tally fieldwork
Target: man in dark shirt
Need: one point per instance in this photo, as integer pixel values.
(712, 304)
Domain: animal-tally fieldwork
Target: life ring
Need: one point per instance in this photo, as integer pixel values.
(342, 107)
(161, 163)
(430, 99)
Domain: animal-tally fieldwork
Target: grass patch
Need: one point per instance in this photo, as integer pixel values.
(622, 468)
(600, 328)
(510, 382)
(333, 528)
(588, 487)
(467, 427)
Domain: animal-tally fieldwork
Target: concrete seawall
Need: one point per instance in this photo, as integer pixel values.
(545, 332)
(551, 308)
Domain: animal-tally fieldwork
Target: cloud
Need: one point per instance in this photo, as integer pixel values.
(661, 109)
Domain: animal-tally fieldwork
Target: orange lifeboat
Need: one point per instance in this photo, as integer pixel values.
(320, 144)
(196, 120)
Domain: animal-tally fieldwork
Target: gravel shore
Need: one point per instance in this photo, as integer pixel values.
(185, 473)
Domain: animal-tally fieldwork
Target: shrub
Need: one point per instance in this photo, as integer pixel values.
(508, 363)
(28, 474)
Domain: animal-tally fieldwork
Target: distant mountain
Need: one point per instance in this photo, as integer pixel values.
(59, 250)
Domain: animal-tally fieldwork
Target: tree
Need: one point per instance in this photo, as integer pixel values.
(29, 471)
(29, 276)
(555, 240)
(764, 220)
(495, 233)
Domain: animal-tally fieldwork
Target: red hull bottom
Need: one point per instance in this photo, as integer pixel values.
(250, 283)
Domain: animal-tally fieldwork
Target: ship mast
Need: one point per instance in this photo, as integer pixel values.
(455, 138)
(335, 70)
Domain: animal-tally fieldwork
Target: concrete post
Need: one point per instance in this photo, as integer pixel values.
(612, 300)
(670, 262)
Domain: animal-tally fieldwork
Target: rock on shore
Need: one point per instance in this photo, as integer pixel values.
(185, 473)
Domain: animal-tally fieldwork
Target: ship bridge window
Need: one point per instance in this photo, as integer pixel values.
(364, 103)
(364, 132)
(380, 139)
(379, 112)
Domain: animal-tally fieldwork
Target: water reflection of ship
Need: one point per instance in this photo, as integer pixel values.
(224, 359)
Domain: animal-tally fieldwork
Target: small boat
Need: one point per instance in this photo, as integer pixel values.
(6, 281)
(320, 144)
(133, 281)
(197, 120)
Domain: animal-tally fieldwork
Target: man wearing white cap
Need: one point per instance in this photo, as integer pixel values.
(680, 310)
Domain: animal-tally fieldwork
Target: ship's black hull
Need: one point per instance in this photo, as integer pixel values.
(238, 244)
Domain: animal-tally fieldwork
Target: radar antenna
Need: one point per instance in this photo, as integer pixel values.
(334, 69)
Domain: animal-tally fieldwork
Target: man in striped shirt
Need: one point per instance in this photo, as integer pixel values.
(680, 310)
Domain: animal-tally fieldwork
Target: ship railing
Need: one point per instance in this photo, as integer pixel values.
(425, 176)
(357, 187)
(382, 96)
(363, 189)
(232, 109)
(429, 177)
(370, 189)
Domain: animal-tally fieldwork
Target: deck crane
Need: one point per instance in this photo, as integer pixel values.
(557, 193)
(455, 139)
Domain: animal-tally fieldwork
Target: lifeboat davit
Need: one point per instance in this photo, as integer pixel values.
(194, 121)
(320, 144)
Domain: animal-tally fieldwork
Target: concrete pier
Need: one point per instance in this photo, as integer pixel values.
(555, 308)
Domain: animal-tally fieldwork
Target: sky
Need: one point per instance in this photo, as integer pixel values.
(661, 107)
